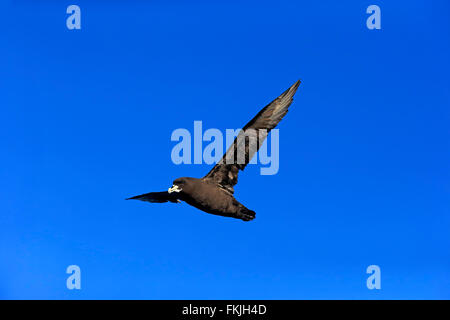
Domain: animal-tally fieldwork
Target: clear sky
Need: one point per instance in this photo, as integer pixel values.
(86, 117)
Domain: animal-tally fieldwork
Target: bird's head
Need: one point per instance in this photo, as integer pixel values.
(178, 185)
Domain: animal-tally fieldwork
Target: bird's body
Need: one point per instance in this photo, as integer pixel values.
(207, 196)
(214, 192)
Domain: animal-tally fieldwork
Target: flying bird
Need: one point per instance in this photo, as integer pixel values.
(214, 193)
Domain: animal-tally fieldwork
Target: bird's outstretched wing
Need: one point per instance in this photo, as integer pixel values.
(249, 139)
(156, 197)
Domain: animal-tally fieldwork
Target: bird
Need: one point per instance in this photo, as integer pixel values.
(214, 193)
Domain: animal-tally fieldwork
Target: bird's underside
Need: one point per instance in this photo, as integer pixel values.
(203, 195)
(214, 192)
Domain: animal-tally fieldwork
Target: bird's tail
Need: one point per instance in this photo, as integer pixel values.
(246, 214)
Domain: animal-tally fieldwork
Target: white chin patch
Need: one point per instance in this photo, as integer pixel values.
(174, 188)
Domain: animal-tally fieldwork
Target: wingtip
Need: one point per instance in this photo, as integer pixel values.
(292, 90)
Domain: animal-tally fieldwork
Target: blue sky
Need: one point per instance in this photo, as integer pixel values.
(86, 119)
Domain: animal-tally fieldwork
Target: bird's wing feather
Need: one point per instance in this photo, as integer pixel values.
(156, 197)
(249, 139)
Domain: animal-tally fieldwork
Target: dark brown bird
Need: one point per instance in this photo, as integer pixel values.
(214, 192)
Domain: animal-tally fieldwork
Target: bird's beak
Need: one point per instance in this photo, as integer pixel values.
(174, 188)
